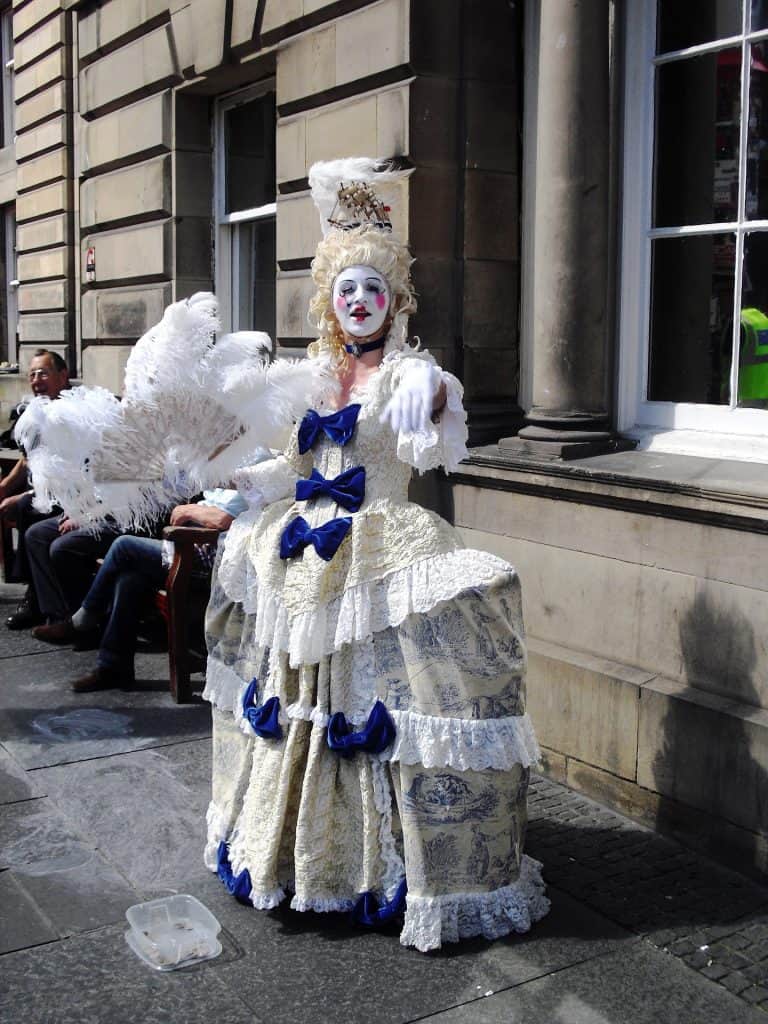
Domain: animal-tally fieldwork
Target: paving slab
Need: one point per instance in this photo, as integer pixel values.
(18, 644)
(96, 979)
(70, 883)
(43, 723)
(635, 985)
(21, 923)
(144, 810)
(360, 976)
(15, 783)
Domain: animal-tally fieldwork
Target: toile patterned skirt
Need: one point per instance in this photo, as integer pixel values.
(431, 824)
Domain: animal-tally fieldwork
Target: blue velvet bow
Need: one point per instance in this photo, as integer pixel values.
(369, 912)
(375, 736)
(348, 488)
(264, 720)
(238, 886)
(326, 538)
(337, 427)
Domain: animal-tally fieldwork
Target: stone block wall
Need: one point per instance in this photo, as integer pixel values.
(465, 126)
(45, 201)
(114, 151)
(127, 65)
(648, 659)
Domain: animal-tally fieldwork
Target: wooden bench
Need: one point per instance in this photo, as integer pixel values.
(8, 459)
(175, 602)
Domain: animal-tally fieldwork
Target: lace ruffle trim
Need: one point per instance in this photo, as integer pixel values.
(268, 900)
(462, 743)
(361, 610)
(431, 921)
(223, 687)
(321, 906)
(217, 825)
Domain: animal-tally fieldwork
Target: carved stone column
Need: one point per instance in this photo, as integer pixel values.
(566, 272)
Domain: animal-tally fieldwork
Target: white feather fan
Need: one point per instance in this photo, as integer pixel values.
(193, 412)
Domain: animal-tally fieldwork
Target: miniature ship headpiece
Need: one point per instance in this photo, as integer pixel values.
(344, 192)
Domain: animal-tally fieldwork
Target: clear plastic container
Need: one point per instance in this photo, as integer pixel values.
(172, 932)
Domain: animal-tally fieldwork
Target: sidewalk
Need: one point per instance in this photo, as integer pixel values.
(102, 805)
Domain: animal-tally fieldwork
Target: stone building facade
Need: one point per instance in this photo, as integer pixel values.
(160, 147)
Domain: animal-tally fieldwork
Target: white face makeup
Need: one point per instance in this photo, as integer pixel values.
(361, 299)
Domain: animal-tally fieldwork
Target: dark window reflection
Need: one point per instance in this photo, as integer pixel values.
(753, 350)
(758, 15)
(5, 275)
(250, 154)
(682, 23)
(757, 138)
(697, 139)
(691, 319)
(257, 268)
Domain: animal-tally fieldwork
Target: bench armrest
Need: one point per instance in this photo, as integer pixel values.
(185, 535)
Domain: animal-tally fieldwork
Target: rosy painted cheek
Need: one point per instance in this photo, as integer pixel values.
(340, 303)
(381, 301)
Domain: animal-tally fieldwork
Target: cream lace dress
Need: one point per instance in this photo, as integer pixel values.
(402, 614)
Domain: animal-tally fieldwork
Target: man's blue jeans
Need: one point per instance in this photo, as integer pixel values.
(132, 570)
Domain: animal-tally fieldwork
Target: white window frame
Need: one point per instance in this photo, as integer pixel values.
(6, 58)
(11, 283)
(227, 224)
(719, 431)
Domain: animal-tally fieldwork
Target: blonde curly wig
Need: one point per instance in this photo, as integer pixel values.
(365, 246)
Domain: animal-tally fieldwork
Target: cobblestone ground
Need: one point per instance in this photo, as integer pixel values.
(713, 919)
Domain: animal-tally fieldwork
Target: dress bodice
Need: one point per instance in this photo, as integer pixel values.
(373, 447)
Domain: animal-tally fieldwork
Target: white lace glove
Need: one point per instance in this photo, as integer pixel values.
(410, 408)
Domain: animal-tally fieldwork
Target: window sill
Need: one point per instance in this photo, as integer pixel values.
(724, 492)
(702, 443)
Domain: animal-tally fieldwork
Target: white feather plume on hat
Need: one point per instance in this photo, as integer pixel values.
(325, 176)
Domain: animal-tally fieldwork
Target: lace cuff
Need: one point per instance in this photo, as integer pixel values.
(432, 920)
(266, 482)
(444, 442)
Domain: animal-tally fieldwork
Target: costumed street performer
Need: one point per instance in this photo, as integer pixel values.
(366, 671)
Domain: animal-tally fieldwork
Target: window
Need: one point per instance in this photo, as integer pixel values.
(6, 57)
(8, 310)
(246, 210)
(694, 299)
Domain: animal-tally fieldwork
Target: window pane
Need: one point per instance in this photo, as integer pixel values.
(697, 139)
(691, 319)
(682, 23)
(753, 353)
(757, 141)
(257, 266)
(249, 140)
(6, 275)
(759, 15)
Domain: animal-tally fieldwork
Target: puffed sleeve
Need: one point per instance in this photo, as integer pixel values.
(275, 478)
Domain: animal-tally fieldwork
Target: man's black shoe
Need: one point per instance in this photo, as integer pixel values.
(26, 616)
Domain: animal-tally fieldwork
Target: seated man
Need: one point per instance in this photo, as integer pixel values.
(48, 375)
(62, 561)
(133, 568)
